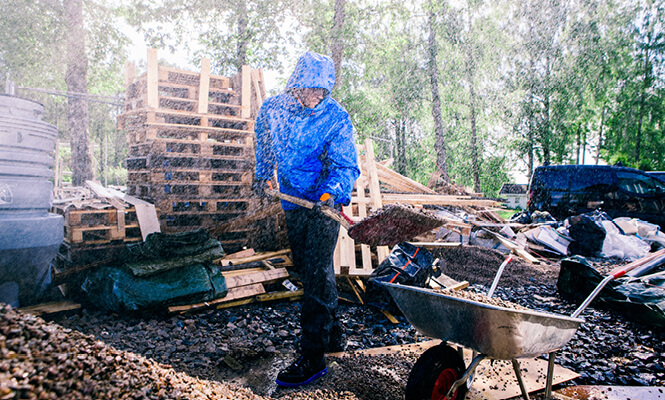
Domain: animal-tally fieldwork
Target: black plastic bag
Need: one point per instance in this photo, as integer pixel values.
(407, 265)
(588, 236)
(640, 299)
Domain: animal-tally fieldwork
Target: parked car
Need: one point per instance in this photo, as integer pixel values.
(565, 190)
(658, 174)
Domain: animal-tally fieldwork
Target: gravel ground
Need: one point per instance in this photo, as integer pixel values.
(236, 353)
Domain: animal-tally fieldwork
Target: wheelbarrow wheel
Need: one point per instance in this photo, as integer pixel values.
(434, 374)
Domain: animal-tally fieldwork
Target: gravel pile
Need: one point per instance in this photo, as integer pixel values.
(237, 352)
(482, 298)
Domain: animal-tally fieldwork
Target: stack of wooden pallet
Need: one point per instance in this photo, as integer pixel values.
(191, 145)
(98, 225)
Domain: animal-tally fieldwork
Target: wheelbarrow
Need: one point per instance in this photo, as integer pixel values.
(490, 331)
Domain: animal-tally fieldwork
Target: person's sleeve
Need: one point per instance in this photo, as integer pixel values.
(265, 156)
(343, 159)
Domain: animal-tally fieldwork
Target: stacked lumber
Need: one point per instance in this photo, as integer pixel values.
(191, 145)
(251, 277)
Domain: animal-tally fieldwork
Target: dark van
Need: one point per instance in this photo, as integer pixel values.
(565, 190)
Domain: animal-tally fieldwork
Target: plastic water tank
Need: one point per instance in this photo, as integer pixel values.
(29, 235)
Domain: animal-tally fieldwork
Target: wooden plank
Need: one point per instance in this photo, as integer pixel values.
(256, 277)
(382, 252)
(240, 254)
(130, 73)
(365, 252)
(287, 294)
(390, 317)
(152, 78)
(189, 114)
(51, 307)
(246, 94)
(360, 298)
(257, 257)
(204, 86)
(395, 177)
(444, 200)
(458, 286)
(515, 248)
(435, 245)
(233, 294)
(345, 249)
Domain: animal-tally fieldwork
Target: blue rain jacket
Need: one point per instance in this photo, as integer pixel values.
(312, 148)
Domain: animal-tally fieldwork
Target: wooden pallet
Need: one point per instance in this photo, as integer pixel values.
(174, 162)
(204, 206)
(103, 234)
(140, 118)
(176, 191)
(95, 217)
(198, 148)
(189, 176)
(167, 87)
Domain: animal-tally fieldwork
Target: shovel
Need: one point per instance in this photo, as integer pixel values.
(386, 226)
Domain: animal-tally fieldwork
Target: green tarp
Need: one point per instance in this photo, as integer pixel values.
(165, 270)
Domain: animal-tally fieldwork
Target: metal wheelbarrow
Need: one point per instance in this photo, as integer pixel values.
(491, 332)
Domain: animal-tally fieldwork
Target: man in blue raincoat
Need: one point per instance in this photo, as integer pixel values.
(308, 137)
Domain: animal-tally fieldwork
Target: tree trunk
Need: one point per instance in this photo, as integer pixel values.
(546, 131)
(241, 48)
(600, 134)
(475, 166)
(400, 139)
(440, 144)
(76, 80)
(640, 113)
(337, 43)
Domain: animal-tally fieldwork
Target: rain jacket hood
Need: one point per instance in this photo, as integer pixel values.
(313, 71)
(313, 149)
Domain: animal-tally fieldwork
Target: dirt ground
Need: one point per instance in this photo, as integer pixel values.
(479, 265)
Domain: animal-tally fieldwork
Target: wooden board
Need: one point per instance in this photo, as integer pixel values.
(51, 307)
(233, 281)
(233, 294)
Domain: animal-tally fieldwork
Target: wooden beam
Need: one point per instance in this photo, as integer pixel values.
(392, 176)
(51, 307)
(204, 86)
(256, 277)
(246, 91)
(130, 73)
(382, 252)
(257, 257)
(288, 294)
(233, 294)
(152, 78)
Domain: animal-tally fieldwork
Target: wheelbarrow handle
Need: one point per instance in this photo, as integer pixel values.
(338, 216)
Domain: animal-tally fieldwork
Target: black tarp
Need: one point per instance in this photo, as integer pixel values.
(641, 299)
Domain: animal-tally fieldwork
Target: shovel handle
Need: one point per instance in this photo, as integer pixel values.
(338, 216)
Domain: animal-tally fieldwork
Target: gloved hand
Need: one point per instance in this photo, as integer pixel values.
(326, 200)
(259, 189)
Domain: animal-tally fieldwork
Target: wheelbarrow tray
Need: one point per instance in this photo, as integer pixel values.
(499, 332)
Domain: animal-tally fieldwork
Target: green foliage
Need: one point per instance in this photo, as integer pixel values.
(544, 81)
